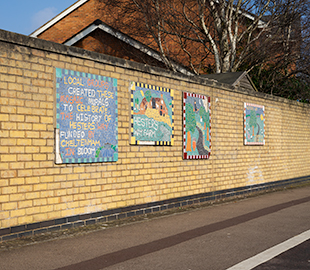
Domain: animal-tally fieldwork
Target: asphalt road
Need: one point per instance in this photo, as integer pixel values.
(216, 237)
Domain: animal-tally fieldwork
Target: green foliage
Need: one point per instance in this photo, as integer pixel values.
(253, 120)
(204, 115)
(273, 82)
(148, 95)
(190, 117)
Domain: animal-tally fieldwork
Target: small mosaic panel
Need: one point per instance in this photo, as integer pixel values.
(196, 126)
(254, 124)
(152, 117)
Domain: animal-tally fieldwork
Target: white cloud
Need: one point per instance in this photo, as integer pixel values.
(43, 16)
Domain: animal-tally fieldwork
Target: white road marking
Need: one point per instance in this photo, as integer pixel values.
(271, 252)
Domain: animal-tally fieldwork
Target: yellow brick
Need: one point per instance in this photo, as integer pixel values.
(4, 134)
(8, 78)
(95, 188)
(61, 192)
(32, 195)
(9, 206)
(17, 165)
(8, 125)
(17, 197)
(39, 157)
(40, 217)
(4, 182)
(55, 200)
(75, 204)
(9, 222)
(17, 150)
(53, 215)
(71, 177)
(17, 213)
(40, 187)
(32, 149)
(39, 202)
(79, 169)
(111, 192)
(67, 212)
(46, 208)
(3, 216)
(39, 126)
(47, 120)
(32, 210)
(25, 188)
(54, 186)
(46, 193)
(66, 184)
(23, 142)
(32, 180)
(24, 126)
(32, 119)
(4, 117)
(8, 174)
(59, 178)
(24, 157)
(31, 74)
(25, 219)
(90, 182)
(8, 158)
(17, 181)
(39, 142)
(32, 165)
(24, 110)
(85, 189)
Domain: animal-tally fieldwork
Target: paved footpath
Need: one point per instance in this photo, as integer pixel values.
(231, 235)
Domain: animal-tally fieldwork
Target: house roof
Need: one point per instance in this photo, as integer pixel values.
(79, 3)
(229, 78)
(235, 79)
(58, 18)
(98, 24)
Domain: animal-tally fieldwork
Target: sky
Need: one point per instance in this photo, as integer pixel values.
(25, 16)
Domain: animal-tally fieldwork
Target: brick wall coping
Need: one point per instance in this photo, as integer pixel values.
(52, 47)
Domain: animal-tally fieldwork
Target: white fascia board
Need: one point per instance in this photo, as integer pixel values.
(81, 35)
(260, 23)
(58, 18)
(133, 43)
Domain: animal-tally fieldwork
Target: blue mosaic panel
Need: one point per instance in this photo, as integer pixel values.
(86, 118)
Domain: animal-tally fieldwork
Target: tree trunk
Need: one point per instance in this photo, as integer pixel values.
(189, 142)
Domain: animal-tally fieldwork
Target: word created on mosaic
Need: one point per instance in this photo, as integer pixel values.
(152, 116)
(86, 118)
(196, 126)
(254, 124)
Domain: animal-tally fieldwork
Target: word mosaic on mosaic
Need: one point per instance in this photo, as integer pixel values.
(152, 115)
(86, 118)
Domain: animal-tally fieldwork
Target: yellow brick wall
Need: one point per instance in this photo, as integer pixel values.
(33, 188)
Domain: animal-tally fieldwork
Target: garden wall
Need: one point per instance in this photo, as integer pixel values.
(36, 194)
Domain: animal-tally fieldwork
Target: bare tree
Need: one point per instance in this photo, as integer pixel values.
(282, 67)
(221, 35)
